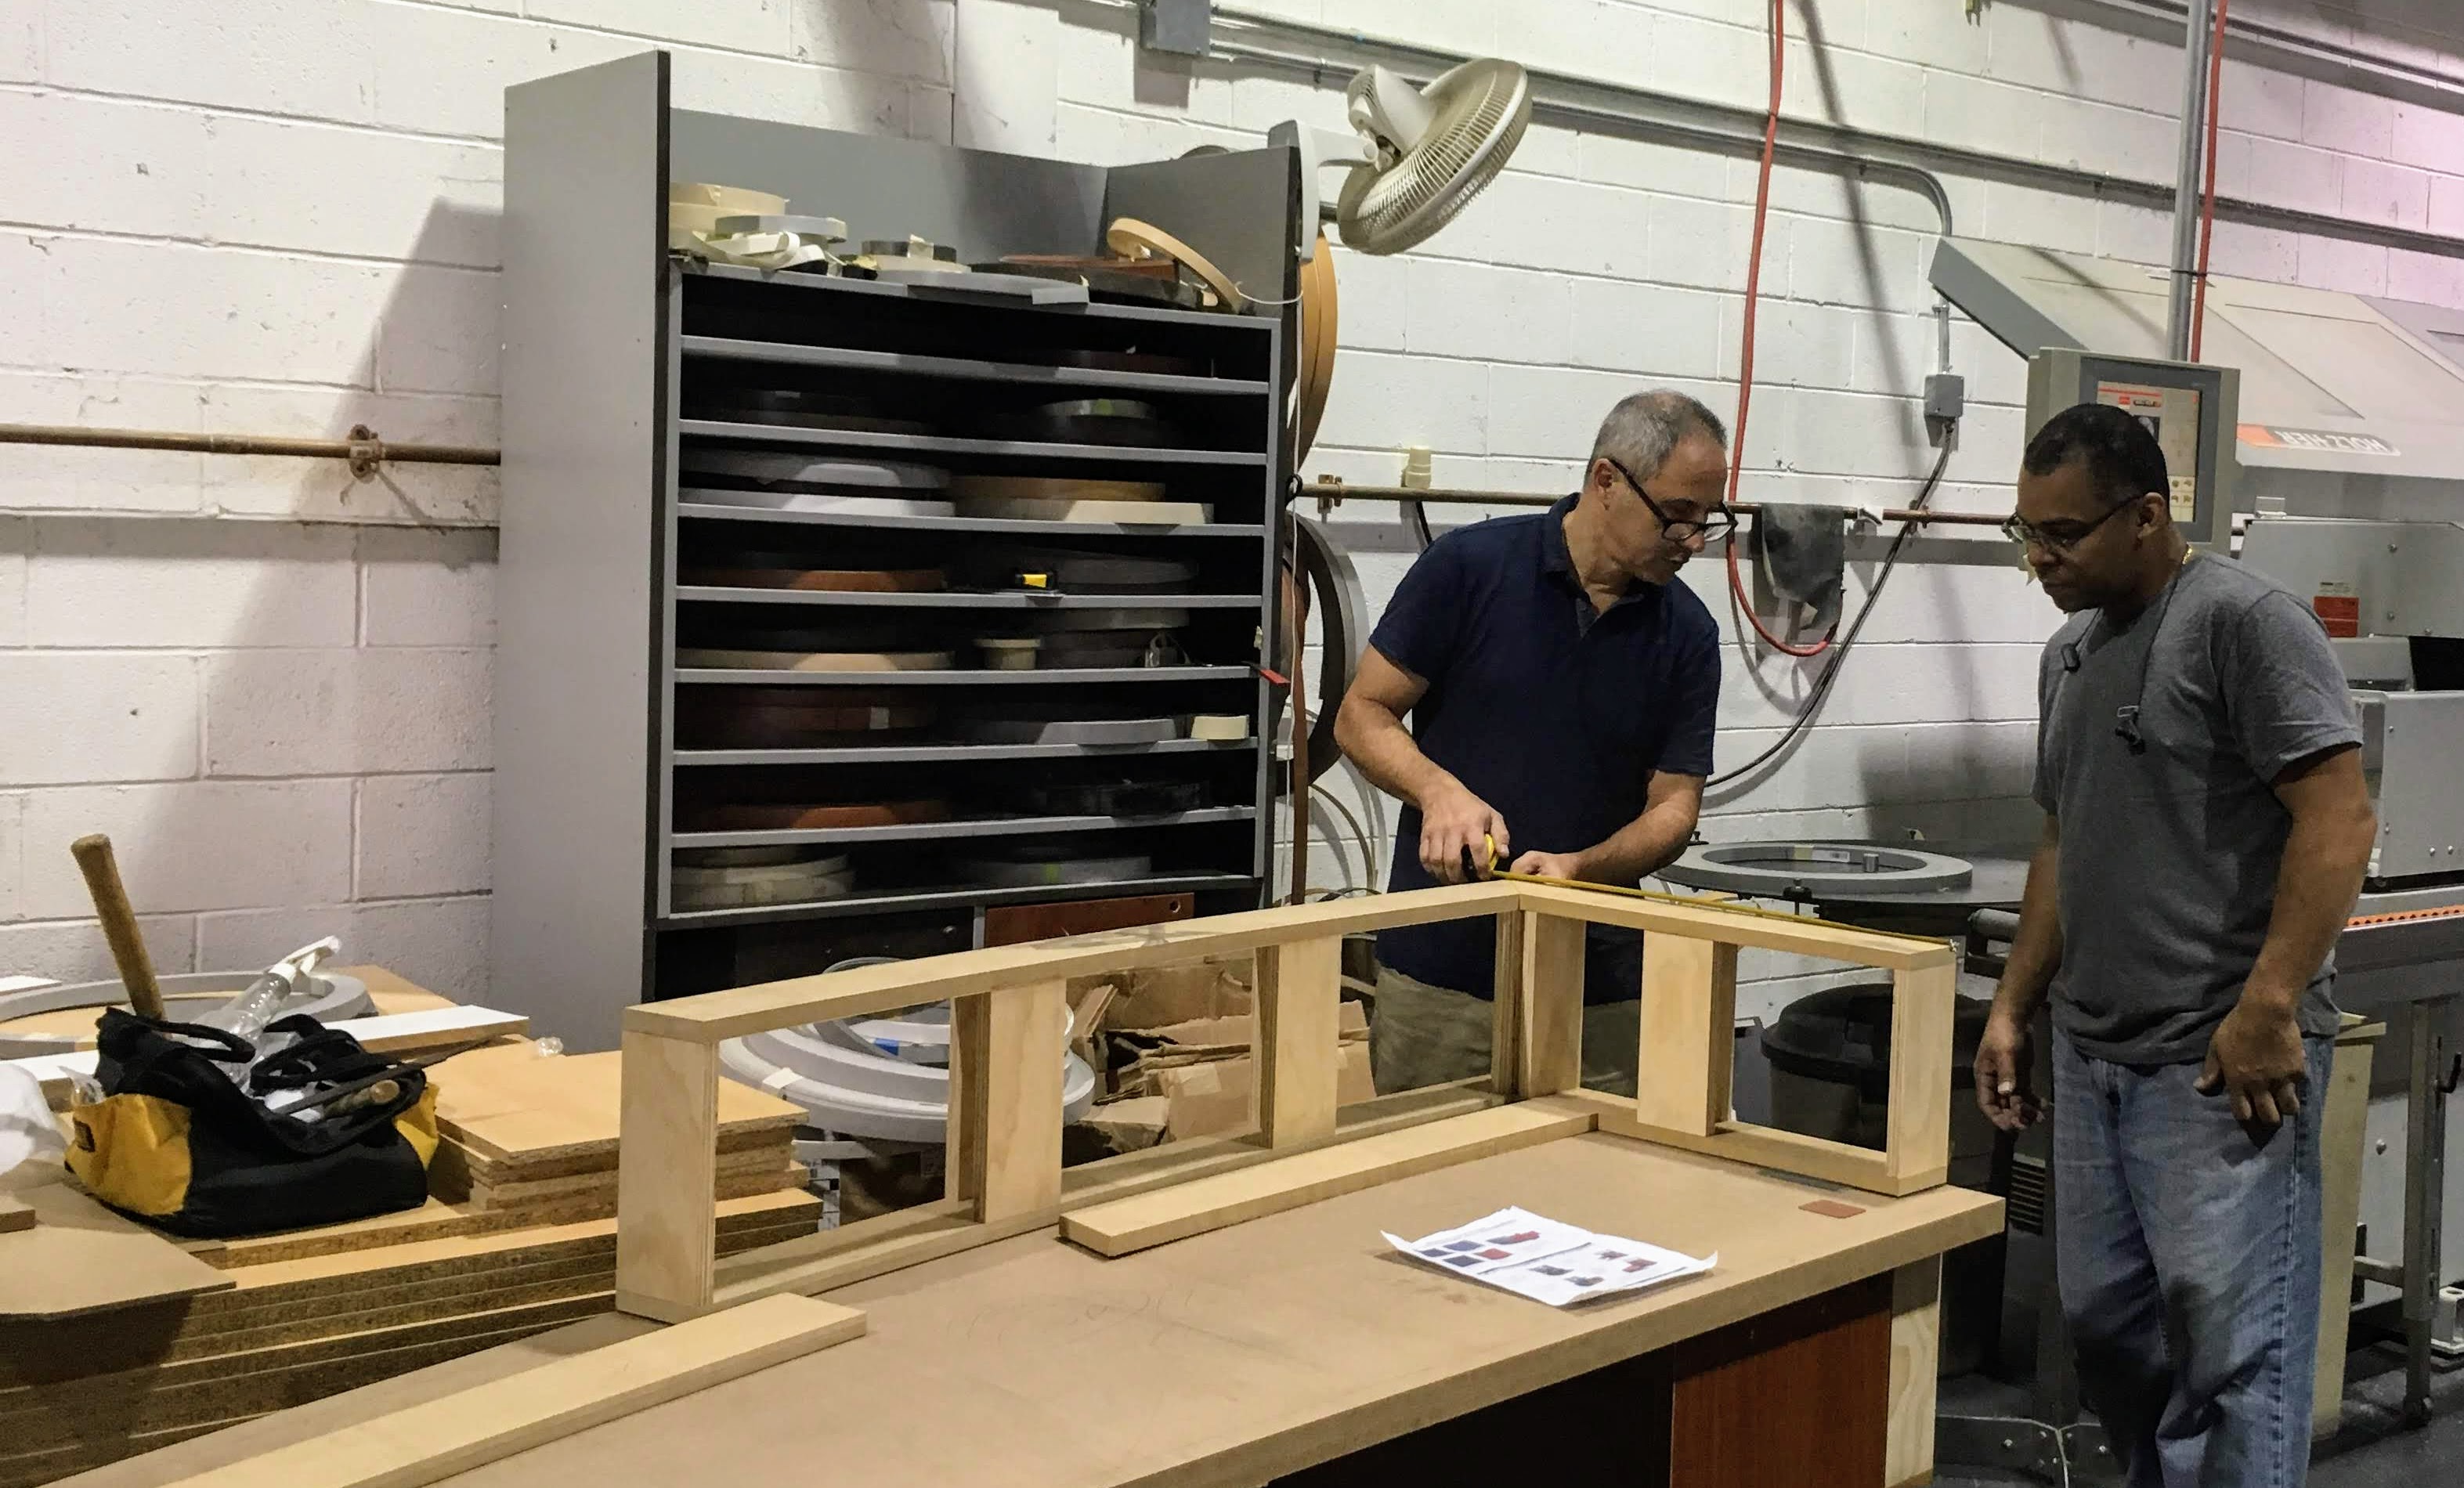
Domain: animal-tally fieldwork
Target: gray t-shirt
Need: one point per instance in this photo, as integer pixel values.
(2169, 857)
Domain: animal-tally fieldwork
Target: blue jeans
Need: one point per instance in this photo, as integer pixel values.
(2188, 1258)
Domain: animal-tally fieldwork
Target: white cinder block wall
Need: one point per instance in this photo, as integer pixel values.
(271, 684)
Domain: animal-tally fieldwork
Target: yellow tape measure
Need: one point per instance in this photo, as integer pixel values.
(1722, 906)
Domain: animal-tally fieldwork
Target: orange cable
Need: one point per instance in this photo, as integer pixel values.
(2208, 201)
(1745, 353)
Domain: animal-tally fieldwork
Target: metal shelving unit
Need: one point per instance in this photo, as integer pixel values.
(608, 350)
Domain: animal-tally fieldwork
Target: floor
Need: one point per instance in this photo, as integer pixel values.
(2373, 1450)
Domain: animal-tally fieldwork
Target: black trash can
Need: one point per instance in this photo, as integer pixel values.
(1830, 1058)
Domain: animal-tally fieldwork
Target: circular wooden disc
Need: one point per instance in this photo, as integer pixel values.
(1132, 238)
(840, 580)
(790, 817)
(760, 873)
(747, 896)
(817, 661)
(1318, 325)
(808, 699)
(747, 857)
(1050, 487)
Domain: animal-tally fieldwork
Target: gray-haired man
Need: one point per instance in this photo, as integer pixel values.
(1562, 689)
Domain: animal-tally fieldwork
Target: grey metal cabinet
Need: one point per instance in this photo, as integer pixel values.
(709, 774)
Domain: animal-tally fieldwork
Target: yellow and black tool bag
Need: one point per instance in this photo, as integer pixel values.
(178, 1141)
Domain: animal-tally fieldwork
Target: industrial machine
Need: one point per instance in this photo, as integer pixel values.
(2191, 409)
(2338, 421)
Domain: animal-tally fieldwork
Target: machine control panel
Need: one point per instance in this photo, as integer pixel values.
(2192, 410)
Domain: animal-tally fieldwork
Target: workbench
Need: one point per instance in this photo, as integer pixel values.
(1300, 1344)
(1226, 1310)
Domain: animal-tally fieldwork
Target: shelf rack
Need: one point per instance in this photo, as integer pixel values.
(607, 353)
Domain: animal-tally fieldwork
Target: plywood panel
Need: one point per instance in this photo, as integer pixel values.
(516, 1106)
(80, 1257)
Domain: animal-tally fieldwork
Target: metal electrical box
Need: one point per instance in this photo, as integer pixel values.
(2409, 742)
(2191, 409)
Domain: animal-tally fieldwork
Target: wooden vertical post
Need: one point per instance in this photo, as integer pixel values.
(1506, 1008)
(1293, 1047)
(667, 1177)
(1923, 1004)
(1688, 1048)
(1549, 1060)
(1916, 1365)
(1006, 1100)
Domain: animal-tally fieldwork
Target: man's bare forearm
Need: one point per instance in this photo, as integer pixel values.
(2325, 856)
(2036, 951)
(1373, 737)
(1646, 844)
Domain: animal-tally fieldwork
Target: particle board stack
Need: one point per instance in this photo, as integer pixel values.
(535, 1136)
(78, 1392)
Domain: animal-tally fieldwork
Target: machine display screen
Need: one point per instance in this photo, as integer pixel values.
(2172, 415)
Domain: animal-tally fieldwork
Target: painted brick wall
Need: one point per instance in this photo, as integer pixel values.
(279, 215)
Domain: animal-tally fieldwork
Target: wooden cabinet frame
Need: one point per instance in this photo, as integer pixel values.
(1005, 1173)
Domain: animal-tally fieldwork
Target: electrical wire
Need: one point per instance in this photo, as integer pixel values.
(1822, 690)
(1359, 832)
(1746, 351)
(2208, 196)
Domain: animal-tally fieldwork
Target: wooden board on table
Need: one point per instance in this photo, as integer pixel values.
(739, 1173)
(15, 1215)
(1135, 1224)
(427, 1443)
(80, 1257)
(390, 993)
(518, 1106)
(1312, 1335)
(437, 1219)
(257, 1434)
(361, 1292)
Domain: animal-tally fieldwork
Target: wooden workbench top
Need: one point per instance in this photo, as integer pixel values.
(1251, 1352)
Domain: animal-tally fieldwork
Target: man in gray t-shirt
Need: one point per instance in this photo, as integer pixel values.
(2207, 826)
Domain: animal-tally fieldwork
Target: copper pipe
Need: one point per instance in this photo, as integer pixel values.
(1336, 491)
(364, 450)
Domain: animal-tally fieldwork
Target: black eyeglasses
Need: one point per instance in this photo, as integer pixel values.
(1718, 522)
(2057, 539)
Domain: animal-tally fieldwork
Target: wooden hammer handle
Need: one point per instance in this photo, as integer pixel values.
(111, 907)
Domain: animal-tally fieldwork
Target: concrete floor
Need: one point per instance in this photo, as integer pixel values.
(2372, 1451)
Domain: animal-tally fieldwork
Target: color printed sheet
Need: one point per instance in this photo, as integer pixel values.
(1548, 1261)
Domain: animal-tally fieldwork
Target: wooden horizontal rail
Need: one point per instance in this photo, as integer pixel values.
(715, 1015)
(1739, 928)
(861, 990)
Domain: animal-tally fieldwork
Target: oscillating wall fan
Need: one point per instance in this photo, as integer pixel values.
(1415, 156)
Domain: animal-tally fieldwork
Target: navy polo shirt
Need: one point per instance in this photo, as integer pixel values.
(1552, 711)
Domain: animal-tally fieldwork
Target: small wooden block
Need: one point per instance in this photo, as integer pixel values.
(15, 1213)
(1832, 1209)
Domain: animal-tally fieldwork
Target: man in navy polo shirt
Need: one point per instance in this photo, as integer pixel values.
(1563, 689)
